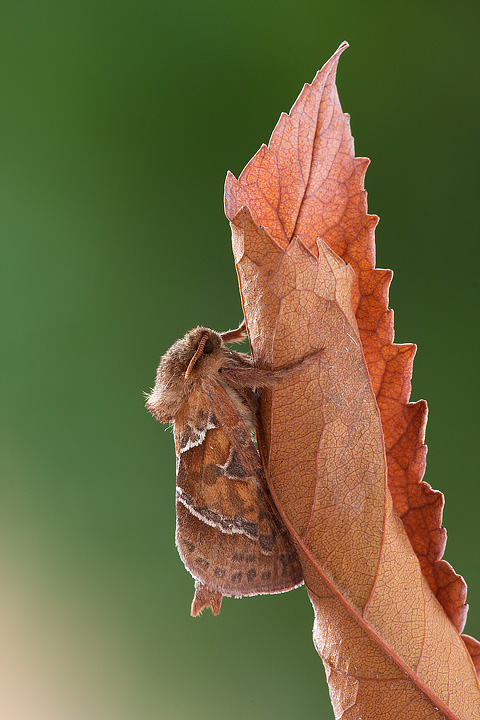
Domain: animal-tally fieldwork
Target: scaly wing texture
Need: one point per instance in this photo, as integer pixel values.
(308, 184)
(228, 534)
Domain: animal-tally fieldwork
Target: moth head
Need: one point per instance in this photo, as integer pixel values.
(200, 353)
(195, 357)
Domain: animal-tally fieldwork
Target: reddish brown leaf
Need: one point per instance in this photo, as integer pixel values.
(325, 432)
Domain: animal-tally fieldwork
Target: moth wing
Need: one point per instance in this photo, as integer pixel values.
(229, 534)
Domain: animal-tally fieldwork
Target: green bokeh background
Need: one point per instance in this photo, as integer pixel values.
(118, 124)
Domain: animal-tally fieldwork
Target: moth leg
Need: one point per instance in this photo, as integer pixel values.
(205, 598)
(234, 336)
(257, 377)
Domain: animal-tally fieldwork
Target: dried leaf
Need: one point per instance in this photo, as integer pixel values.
(372, 579)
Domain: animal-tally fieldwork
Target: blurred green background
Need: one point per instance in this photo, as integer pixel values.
(118, 124)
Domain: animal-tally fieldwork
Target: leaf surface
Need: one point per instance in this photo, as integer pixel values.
(388, 610)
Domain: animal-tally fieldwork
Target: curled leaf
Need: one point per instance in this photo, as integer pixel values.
(388, 609)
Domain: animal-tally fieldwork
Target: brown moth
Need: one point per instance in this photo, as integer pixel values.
(229, 534)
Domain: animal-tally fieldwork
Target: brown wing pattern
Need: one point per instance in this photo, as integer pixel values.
(229, 534)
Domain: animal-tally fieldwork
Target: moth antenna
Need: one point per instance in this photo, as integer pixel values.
(234, 336)
(198, 352)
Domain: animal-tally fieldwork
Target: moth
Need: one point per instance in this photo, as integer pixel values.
(229, 534)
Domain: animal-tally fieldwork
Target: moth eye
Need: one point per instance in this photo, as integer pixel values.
(208, 347)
